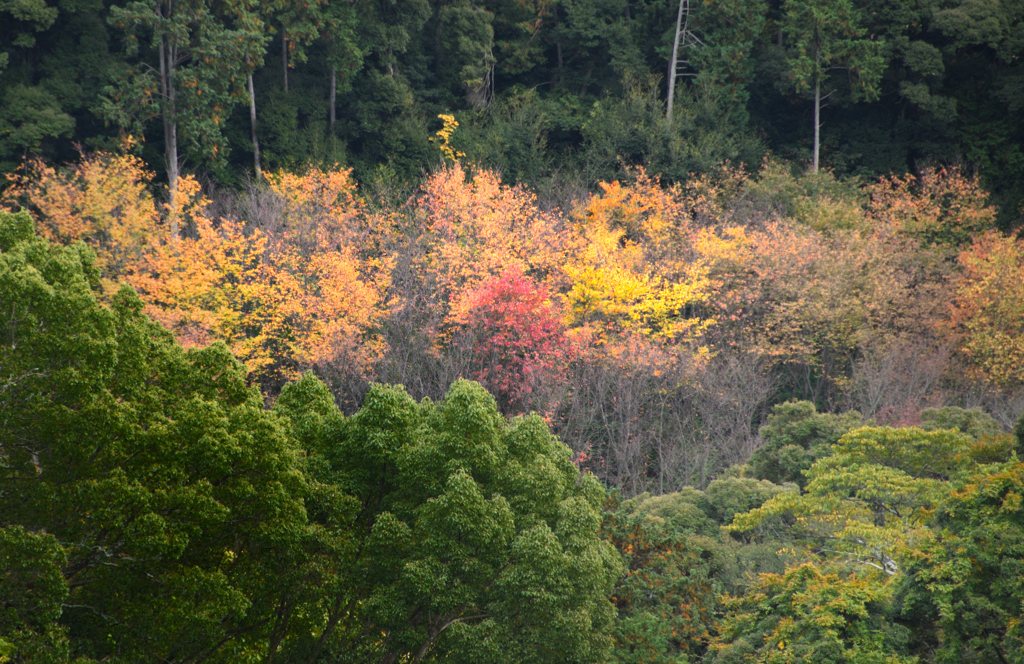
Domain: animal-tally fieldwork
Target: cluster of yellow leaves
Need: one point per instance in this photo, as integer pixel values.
(639, 268)
(282, 298)
(103, 201)
(444, 138)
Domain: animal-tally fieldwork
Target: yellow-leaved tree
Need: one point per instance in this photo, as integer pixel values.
(103, 200)
(639, 268)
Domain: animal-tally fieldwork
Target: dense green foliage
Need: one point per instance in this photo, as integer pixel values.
(795, 436)
(551, 93)
(151, 507)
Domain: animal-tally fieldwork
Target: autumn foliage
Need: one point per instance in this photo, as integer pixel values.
(283, 298)
(638, 319)
(517, 340)
(476, 228)
(103, 201)
(941, 206)
(988, 312)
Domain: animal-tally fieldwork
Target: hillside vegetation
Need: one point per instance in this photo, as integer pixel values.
(780, 405)
(533, 332)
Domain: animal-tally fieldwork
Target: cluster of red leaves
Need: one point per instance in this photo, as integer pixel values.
(517, 340)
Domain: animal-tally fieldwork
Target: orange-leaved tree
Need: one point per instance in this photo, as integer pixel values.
(476, 228)
(104, 200)
(808, 300)
(300, 284)
(988, 311)
(462, 230)
(940, 207)
(341, 255)
(324, 204)
(283, 299)
(213, 284)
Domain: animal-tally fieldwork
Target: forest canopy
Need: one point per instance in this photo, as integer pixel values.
(154, 507)
(554, 331)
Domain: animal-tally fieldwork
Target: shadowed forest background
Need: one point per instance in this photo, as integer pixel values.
(554, 95)
(408, 331)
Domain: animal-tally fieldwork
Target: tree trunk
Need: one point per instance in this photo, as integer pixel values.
(284, 57)
(167, 92)
(558, 51)
(817, 125)
(334, 94)
(674, 60)
(255, 136)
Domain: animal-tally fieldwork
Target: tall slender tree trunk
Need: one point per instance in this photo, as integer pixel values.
(284, 57)
(674, 60)
(817, 104)
(255, 136)
(817, 125)
(167, 92)
(334, 94)
(558, 51)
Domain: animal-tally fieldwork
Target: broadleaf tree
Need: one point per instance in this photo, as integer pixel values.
(476, 538)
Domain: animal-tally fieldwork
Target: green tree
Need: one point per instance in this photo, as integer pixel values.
(825, 35)
(964, 588)
(175, 497)
(203, 52)
(476, 539)
(795, 436)
(466, 49)
(973, 422)
(29, 113)
(812, 615)
(871, 499)
(725, 61)
(32, 593)
(344, 54)
(866, 524)
(28, 116)
(666, 598)
(1018, 435)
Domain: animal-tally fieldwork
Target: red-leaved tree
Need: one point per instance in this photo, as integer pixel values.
(516, 343)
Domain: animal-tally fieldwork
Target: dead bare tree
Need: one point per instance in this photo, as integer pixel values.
(733, 391)
(684, 37)
(893, 380)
